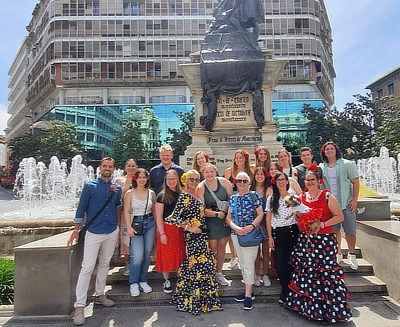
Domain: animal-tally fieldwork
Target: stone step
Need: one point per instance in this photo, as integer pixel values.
(119, 291)
(115, 274)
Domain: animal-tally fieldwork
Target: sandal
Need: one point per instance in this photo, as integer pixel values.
(281, 302)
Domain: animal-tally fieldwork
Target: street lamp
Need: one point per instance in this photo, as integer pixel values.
(354, 139)
(102, 146)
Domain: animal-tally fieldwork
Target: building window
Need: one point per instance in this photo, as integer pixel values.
(390, 89)
(379, 93)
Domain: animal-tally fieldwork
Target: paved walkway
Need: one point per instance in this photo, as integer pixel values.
(368, 311)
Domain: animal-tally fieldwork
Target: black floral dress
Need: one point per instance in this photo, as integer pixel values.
(196, 289)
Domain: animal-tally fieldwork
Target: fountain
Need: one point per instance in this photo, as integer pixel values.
(45, 203)
(380, 173)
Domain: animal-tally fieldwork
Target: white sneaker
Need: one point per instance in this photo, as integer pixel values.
(339, 258)
(145, 287)
(135, 289)
(221, 279)
(126, 271)
(266, 281)
(257, 280)
(233, 264)
(352, 261)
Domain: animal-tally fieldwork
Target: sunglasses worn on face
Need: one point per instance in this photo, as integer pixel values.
(311, 180)
(244, 181)
(191, 179)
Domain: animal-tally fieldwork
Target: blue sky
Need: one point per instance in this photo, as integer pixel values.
(366, 43)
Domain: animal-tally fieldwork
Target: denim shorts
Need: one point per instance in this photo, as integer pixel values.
(349, 222)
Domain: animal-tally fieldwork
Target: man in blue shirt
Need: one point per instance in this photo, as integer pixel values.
(101, 236)
(157, 173)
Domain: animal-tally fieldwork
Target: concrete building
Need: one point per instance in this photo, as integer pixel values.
(87, 61)
(387, 85)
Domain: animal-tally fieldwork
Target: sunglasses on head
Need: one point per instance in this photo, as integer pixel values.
(244, 181)
(192, 179)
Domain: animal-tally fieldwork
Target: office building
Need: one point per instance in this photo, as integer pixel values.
(89, 61)
(387, 85)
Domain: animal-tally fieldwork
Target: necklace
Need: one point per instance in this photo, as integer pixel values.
(313, 197)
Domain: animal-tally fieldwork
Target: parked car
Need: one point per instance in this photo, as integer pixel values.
(7, 181)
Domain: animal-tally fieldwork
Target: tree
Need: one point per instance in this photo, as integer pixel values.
(374, 122)
(59, 140)
(181, 138)
(129, 144)
(320, 127)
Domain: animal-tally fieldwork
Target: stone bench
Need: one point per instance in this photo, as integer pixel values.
(46, 273)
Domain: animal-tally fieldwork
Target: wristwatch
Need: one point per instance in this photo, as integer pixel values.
(216, 214)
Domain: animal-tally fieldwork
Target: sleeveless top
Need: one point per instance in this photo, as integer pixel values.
(220, 194)
(320, 203)
(138, 207)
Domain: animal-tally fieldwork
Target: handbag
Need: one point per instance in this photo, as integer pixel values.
(253, 238)
(222, 205)
(83, 230)
(138, 225)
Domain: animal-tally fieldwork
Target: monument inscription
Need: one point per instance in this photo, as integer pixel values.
(235, 111)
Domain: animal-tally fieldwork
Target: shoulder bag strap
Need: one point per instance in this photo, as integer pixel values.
(101, 210)
(252, 203)
(212, 192)
(147, 202)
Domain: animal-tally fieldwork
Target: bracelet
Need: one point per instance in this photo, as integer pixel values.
(76, 231)
(254, 226)
(322, 224)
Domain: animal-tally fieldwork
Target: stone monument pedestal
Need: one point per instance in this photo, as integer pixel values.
(235, 126)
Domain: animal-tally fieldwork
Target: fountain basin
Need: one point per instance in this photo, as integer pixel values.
(373, 208)
(20, 232)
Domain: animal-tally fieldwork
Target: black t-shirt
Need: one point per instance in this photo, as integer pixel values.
(168, 207)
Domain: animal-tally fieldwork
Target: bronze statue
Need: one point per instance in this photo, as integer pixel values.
(236, 15)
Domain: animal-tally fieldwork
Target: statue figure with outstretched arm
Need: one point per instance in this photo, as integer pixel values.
(237, 15)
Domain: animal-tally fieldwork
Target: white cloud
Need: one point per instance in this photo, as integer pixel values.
(4, 116)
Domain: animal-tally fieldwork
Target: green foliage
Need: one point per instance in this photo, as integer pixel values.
(319, 129)
(59, 140)
(181, 138)
(6, 281)
(129, 144)
(374, 123)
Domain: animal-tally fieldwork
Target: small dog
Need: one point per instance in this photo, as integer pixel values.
(293, 202)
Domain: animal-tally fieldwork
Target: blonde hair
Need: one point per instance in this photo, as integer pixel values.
(165, 147)
(234, 167)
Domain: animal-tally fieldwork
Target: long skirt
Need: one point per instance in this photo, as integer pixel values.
(317, 284)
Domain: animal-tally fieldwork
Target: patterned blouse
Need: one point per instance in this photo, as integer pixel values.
(243, 208)
(280, 219)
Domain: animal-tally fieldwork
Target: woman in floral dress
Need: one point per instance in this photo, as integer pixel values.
(196, 289)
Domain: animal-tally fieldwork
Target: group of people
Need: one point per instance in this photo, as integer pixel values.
(191, 217)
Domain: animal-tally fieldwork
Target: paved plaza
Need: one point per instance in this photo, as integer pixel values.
(368, 310)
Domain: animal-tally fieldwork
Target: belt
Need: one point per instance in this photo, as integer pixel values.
(148, 215)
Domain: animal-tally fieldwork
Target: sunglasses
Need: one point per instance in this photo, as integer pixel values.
(310, 180)
(244, 181)
(171, 179)
(191, 179)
